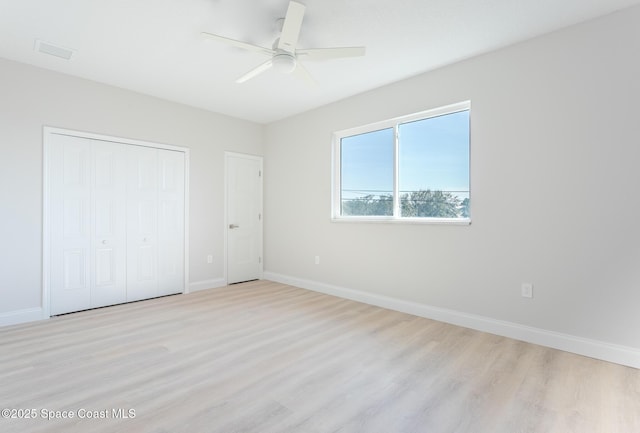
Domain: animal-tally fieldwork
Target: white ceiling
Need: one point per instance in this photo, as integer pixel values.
(154, 46)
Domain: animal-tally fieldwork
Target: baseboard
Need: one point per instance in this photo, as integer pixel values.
(207, 284)
(21, 316)
(623, 355)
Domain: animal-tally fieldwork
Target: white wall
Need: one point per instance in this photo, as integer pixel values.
(554, 177)
(32, 98)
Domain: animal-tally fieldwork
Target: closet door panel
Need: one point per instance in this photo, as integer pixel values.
(108, 222)
(171, 222)
(70, 166)
(142, 223)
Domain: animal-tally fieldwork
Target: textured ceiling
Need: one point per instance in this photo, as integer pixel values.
(154, 46)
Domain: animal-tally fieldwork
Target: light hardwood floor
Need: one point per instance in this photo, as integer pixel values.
(266, 357)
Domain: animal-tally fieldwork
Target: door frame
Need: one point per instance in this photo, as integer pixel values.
(47, 133)
(260, 159)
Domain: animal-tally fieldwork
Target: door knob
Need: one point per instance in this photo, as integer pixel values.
(104, 242)
(233, 226)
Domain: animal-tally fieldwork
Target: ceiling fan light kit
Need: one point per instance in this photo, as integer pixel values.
(284, 62)
(284, 54)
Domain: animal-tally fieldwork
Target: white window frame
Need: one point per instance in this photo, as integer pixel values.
(385, 124)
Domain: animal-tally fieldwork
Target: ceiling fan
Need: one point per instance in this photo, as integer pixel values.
(284, 56)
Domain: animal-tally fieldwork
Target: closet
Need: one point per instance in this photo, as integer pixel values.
(116, 216)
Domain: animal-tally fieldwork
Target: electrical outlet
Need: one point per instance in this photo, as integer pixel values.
(317, 260)
(527, 290)
(209, 259)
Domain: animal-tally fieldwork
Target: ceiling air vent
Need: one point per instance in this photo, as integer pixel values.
(53, 50)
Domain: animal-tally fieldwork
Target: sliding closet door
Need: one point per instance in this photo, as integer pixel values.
(87, 224)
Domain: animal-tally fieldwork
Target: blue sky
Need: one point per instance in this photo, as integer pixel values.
(434, 154)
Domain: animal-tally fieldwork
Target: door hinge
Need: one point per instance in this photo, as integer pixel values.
(259, 173)
(259, 259)
(259, 217)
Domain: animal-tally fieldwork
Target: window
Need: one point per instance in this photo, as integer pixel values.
(413, 168)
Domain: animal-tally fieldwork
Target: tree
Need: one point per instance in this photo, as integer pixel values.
(423, 203)
(428, 203)
(369, 205)
(464, 208)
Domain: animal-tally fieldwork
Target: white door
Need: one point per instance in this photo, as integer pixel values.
(116, 222)
(171, 205)
(155, 222)
(87, 224)
(142, 223)
(244, 217)
(108, 224)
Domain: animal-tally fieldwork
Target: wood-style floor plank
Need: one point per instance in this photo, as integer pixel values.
(265, 357)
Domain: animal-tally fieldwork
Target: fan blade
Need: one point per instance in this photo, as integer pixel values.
(256, 71)
(302, 73)
(331, 53)
(291, 27)
(238, 44)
